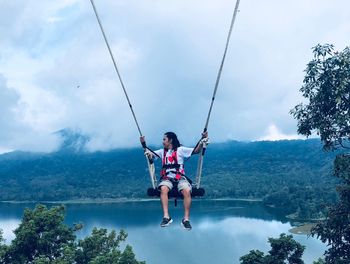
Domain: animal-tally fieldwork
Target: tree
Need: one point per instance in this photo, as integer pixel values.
(253, 257)
(335, 230)
(319, 261)
(3, 248)
(43, 238)
(41, 233)
(103, 248)
(283, 250)
(327, 89)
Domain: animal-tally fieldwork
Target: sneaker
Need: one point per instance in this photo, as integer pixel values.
(166, 222)
(186, 224)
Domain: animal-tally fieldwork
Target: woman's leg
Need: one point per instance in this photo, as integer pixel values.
(185, 188)
(187, 202)
(164, 190)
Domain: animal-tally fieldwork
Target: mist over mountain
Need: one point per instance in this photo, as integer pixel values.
(280, 172)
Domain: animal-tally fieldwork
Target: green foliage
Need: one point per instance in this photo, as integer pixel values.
(335, 230)
(43, 238)
(3, 248)
(103, 248)
(283, 250)
(253, 257)
(342, 168)
(327, 90)
(42, 232)
(302, 203)
(319, 261)
(128, 256)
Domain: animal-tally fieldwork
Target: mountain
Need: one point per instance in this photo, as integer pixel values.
(72, 141)
(287, 174)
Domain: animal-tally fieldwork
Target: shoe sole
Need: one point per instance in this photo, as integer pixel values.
(188, 229)
(171, 220)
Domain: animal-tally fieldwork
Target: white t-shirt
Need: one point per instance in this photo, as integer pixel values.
(183, 153)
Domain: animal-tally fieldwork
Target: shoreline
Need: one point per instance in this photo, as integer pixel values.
(303, 229)
(124, 200)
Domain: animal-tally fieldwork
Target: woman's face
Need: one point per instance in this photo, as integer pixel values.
(166, 142)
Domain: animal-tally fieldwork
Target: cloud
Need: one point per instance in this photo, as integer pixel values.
(54, 57)
(5, 150)
(9, 101)
(20, 127)
(273, 134)
(54, 19)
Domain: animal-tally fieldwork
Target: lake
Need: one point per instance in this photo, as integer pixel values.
(223, 230)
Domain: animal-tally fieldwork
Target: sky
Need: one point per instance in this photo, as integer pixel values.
(56, 73)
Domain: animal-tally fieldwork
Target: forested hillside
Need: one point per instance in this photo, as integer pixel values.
(294, 175)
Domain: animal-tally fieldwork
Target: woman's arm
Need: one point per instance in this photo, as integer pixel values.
(199, 146)
(148, 153)
(151, 154)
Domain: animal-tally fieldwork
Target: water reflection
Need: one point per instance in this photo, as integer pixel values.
(7, 226)
(222, 230)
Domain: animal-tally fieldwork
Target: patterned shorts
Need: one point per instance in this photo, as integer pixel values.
(181, 185)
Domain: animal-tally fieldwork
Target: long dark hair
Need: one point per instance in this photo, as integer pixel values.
(174, 140)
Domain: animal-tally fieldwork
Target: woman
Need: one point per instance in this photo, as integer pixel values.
(173, 156)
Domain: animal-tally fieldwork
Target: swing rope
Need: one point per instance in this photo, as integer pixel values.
(151, 167)
(200, 159)
(203, 141)
(115, 66)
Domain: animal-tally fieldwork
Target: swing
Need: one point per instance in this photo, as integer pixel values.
(153, 191)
